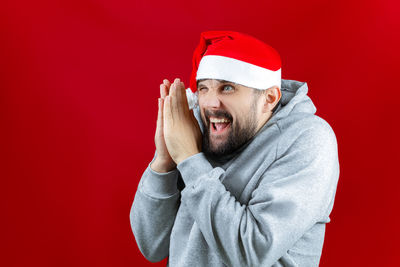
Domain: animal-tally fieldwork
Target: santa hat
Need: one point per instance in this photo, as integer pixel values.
(235, 57)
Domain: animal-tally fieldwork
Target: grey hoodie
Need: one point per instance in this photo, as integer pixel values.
(265, 205)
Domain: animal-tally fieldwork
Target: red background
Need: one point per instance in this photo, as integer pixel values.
(79, 82)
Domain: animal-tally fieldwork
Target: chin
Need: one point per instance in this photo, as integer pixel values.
(214, 149)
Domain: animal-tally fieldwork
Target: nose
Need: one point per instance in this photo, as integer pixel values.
(210, 100)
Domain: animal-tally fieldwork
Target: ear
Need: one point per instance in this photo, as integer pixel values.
(272, 96)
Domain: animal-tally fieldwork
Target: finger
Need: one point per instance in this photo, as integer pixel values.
(167, 85)
(160, 114)
(168, 117)
(184, 97)
(178, 89)
(172, 89)
(181, 98)
(177, 97)
(173, 100)
(163, 91)
(175, 107)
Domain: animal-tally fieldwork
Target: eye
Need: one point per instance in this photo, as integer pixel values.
(228, 88)
(202, 89)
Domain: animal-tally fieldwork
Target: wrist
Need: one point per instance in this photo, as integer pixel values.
(162, 166)
(188, 155)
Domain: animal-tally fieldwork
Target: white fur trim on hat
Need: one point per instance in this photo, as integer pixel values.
(236, 71)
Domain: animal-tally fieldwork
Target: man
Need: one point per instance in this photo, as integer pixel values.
(246, 179)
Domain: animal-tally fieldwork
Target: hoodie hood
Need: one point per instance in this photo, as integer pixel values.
(294, 100)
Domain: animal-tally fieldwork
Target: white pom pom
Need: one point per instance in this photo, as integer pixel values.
(192, 98)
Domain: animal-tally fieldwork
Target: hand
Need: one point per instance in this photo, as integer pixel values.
(181, 130)
(163, 161)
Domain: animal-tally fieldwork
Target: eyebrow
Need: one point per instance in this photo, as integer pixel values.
(199, 82)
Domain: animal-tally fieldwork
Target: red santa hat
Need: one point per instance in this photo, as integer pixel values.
(235, 57)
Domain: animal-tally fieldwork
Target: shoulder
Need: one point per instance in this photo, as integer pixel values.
(306, 132)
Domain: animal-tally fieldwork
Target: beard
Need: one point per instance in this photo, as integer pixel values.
(238, 134)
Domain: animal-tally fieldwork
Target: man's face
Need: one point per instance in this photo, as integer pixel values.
(231, 114)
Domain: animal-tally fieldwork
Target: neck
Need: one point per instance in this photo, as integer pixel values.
(263, 121)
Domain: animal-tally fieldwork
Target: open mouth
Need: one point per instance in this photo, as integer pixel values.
(219, 126)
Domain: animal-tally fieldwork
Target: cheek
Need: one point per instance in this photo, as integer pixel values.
(241, 116)
(201, 100)
(201, 108)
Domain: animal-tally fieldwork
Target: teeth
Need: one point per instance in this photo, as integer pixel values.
(214, 120)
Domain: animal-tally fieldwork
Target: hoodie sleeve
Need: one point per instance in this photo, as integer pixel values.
(294, 193)
(153, 213)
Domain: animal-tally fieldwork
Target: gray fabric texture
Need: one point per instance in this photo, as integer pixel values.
(265, 205)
